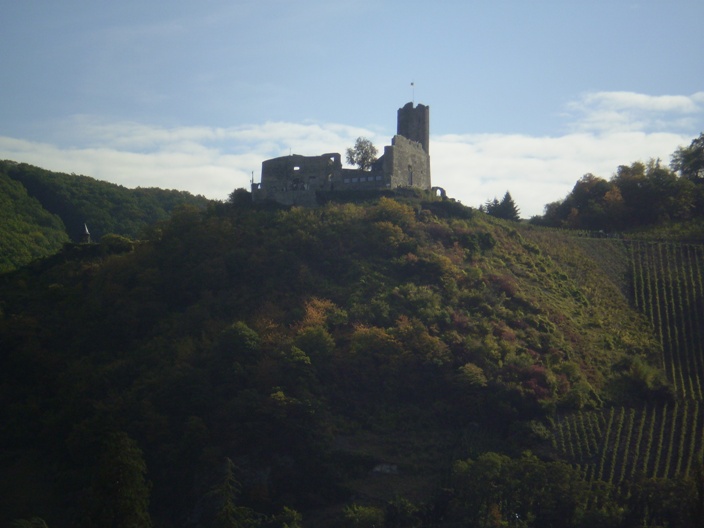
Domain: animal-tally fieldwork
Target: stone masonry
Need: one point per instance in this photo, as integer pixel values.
(299, 180)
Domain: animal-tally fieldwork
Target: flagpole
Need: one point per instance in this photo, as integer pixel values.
(413, 92)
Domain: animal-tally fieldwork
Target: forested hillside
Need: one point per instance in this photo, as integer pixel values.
(27, 230)
(41, 210)
(401, 362)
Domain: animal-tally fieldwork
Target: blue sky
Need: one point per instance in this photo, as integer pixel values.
(525, 96)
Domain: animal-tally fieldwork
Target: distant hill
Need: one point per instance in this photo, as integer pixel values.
(38, 203)
(387, 363)
(27, 230)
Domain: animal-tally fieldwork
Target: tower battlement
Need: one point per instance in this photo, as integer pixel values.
(414, 123)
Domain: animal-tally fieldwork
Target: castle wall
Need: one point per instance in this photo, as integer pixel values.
(359, 179)
(296, 172)
(407, 164)
(295, 179)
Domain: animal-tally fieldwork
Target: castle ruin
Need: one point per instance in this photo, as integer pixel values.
(301, 180)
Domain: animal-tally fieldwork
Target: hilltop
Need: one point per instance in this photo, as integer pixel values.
(355, 364)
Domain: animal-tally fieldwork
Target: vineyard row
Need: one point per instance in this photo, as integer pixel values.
(668, 287)
(622, 443)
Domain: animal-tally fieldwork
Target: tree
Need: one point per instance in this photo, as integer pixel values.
(288, 518)
(587, 203)
(401, 513)
(496, 490)
(240, 196)
(363, 154)
(229, 514)
(689, 161)
(652, 194)
(120, 490)
(472, 376)
(506, 208)
(357, 516)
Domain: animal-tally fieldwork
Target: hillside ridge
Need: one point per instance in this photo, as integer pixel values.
(311, 346)
(43, 209)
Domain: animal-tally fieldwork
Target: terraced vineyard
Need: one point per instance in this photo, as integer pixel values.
(620, 443)
(668, 288)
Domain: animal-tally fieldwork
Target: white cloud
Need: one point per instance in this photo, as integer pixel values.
(537, 170)
(609, 111)
(201, 160)
(657, 103)
(611, 128)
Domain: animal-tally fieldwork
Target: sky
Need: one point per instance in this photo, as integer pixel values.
(525, 96)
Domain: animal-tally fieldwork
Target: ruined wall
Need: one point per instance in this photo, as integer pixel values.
(407, 164)
(297, 172)
(295, 179)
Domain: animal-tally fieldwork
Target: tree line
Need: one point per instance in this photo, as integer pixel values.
(636, 196)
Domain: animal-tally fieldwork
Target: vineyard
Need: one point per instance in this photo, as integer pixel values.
(668, 288)
(622, 443)
(657, 441)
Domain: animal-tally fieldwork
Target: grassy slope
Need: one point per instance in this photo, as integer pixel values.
(577, 291)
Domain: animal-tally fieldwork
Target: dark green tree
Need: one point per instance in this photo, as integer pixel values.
(363, 154)
(240, 197)
(229, 514)
(689, 161)
(506, 208)
(120, 490)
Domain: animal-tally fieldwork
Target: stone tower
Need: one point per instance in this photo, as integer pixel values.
(414, 124)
